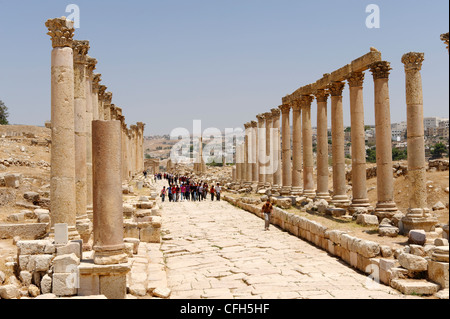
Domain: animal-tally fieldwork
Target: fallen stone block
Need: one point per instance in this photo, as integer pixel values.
(438, 272)
(35, 247)
(367, 220)
(9, 292)
(161, 292)
(417, 236)
(414, 286)
(412, 262)
(388, 231)
(24, 231)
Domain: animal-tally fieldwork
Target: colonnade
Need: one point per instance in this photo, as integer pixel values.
(77, 100)
(285, 164)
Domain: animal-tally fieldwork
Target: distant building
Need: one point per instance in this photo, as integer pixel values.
(398, 131)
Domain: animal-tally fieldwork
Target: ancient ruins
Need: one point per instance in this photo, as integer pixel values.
(100, 232)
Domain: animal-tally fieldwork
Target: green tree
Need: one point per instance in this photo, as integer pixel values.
(371, 155)
(398, 154)
(3, 114)
(438, 149)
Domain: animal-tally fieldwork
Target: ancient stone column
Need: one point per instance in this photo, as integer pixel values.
(101, 101)
(276, 156)
(322, 145)
(261, 150)
(80, 49)
(418, 215)
(238, 163)
(247, 155)
(90, 67)
(269, 151)
(385, 176)
(96, 78)
(124, 139)
(339, 198)
(108, 216)
(445, 37)
(286, 150)
(296, 148)
(243, 165)
(359, 188)
(107, 98)
(254, 153)
(308, 159)
(62, 174)
(141, 127)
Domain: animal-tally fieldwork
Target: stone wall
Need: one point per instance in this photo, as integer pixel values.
(369, 257)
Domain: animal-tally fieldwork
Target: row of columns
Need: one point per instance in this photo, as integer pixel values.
(290, 170)
(297, 158)
(79, 103)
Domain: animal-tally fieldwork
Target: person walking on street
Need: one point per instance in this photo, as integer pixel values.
(169, 190)
(217, 189)
(267, 210)
(163, 193)
(212, 192)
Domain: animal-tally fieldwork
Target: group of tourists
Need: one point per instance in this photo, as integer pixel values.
(188, 190)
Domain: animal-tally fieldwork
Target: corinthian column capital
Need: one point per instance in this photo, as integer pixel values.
(336, 88)
(413, 61)
(444, 37)
(355, 79)
(80, 50)
(380, 70)
(322, 95)
(61, 32)
(285, 108)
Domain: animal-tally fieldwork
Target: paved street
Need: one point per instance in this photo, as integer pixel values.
(215, 250)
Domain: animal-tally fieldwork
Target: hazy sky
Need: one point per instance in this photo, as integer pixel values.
(170, 62)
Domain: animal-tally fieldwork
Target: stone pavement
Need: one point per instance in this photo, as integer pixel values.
(215, 250)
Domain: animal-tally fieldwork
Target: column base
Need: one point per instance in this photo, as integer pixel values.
(285, 190)
(296, 190)
(309, 193)
(341, 201)
(386, 207)
(359, 203)
(109, 257)
(326, 196)
(107, 280)
(424, 223)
